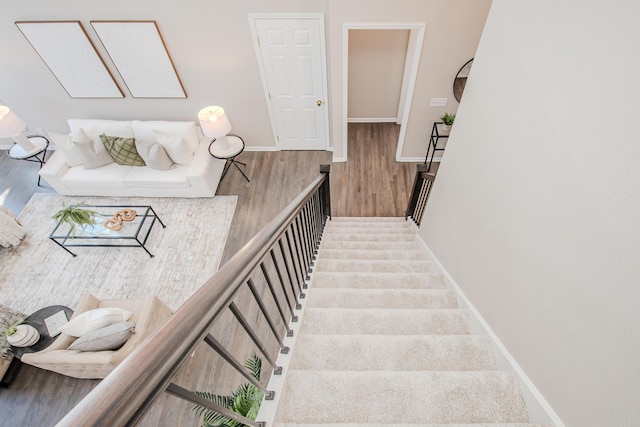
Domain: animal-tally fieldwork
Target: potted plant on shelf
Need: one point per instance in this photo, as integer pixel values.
(75, 215)
(447, 119)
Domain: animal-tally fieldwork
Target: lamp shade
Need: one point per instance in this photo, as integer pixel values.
(10, 124)
(214, 122)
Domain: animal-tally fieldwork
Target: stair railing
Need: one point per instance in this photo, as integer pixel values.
(287, 245)
(420, 193)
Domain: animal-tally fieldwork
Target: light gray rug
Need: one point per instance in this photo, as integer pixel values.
(187, 252)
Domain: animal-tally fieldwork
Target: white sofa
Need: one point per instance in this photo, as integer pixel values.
(67, 174)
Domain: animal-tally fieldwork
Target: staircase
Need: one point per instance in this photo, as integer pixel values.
(383, 342)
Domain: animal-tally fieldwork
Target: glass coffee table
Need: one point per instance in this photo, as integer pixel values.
(133, 234)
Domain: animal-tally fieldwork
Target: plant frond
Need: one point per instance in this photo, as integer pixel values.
(254, 365)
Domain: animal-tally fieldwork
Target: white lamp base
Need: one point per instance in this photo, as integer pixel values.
(223, 143)
(24, 142)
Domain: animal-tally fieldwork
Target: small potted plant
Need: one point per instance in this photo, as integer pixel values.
(447, 119)
(75, 215)
(21, 335)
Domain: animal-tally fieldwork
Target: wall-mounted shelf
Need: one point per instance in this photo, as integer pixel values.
(437, 133)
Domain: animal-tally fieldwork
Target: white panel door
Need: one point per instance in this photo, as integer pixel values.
(291, 54)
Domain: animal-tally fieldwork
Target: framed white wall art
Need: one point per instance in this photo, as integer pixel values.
(141, 57)
(67, 51)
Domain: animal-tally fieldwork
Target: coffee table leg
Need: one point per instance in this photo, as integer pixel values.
(145, 248)
(157, 217)
(62, 246)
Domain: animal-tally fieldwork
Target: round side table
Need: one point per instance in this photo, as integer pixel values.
(228, 153)
(37, 321)
(37, 154)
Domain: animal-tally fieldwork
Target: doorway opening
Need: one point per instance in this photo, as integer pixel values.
(366, 95)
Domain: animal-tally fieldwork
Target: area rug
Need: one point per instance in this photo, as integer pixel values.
(39, 273)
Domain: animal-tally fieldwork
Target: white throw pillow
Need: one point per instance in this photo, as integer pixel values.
(143, 130)
(154, 155)
(176, 147)
(70, 152)
(93, 152)
(95, 319)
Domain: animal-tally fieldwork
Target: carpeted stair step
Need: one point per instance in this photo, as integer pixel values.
(372, 246)
(374, 254)
(386, 397)
(378, 266)
(368, 219)
(382, 298)
(352, 236)
(387, 353)
(382, 230)
(329, 279)
(371, 224)
(344, 321)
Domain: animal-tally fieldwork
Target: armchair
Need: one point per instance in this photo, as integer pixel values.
(148, 315)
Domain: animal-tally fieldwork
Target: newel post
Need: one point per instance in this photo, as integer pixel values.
(326, 189)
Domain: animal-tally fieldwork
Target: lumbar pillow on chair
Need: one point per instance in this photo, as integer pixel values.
(110, 337)
(92, 320)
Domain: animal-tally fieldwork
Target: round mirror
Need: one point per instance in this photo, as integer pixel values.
(461, 79)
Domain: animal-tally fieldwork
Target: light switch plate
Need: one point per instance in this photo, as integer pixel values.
(439, 102)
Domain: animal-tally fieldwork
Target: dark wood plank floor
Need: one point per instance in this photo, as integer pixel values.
(371, 183)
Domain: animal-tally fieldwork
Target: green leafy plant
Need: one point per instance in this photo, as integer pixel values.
(75, 215)
(245, 400)
(448, 118)
(11, 329)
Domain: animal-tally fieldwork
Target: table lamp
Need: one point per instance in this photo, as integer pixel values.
(215, 124)
(11, 126)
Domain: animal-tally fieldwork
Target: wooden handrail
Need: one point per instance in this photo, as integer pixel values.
(125, 395)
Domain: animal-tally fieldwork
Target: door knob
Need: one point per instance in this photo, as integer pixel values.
(319, 102)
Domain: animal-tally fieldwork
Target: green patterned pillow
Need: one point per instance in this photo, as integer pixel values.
(123, 150)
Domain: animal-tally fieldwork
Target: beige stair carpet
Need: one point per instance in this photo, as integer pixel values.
(383, 342)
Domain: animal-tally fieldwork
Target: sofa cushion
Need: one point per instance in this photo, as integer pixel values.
(70, 152)
(143, 131)
(109, 176)
(123, 150)
(110, 337)
(154, 155)
(154, 178)
(95, 319)
(94, 127)
(176, 147)
(94, 154)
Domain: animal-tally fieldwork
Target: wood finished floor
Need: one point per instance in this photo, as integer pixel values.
(371, 183)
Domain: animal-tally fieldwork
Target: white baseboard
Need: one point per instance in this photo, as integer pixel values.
(413, 159)
(372, 120)
(338, 159)
(261, 149)
(539, 409)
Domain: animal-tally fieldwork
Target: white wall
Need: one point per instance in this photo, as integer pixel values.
(376, 66)
(210, 43)
(536, 207)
